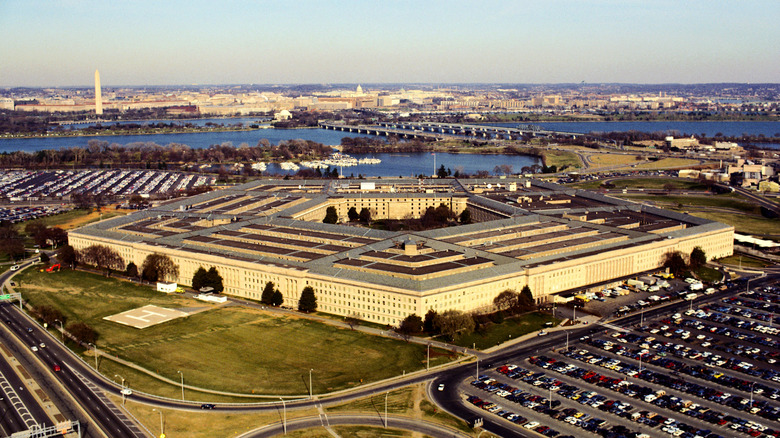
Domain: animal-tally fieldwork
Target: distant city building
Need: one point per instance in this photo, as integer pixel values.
(6, 103)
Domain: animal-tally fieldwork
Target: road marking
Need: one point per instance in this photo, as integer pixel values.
(613, 327)
(108, 404)
(17, 402)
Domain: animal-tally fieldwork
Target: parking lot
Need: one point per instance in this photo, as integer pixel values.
(709, 371)
(59, 184)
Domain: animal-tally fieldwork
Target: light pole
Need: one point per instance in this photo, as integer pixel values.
(642, 317)
(751, 394)
(747, 288)
(567, 340)
(477, 378)
(311, 392)
(62, 330)
(182, 384)
(123, 387)
(162, 426)
(284, 413)
(550, 397)
(96, 354)
(386, 394)
(428, 358)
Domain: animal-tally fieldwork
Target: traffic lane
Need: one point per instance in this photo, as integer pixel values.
(10, 373)
(10, 420)
(52, 355)
(393, 422)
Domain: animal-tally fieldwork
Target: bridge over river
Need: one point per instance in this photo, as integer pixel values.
(442, 131)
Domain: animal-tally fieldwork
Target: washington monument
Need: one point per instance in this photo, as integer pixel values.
(98, 95)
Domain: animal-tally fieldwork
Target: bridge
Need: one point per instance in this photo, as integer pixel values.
(440, 131)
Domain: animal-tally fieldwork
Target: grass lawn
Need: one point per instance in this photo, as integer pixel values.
(666, 163)
(205, 424)
(743, 223)
(562, 159)
(709, 274)
(717, 201)
(509, 329)
(612, 159)
(74, 218)
(231, 348)
(745, 261)
(643, 183)
(409, 401)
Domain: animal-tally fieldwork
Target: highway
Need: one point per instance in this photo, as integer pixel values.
(20, 332)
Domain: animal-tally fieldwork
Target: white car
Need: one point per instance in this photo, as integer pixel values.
(15, 267)
(530, 425)
(441, 387)
(34, 348)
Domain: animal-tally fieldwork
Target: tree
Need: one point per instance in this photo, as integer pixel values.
(131, 270)
(50, 315)
(277, 299)
(331, 215)
(507, 300)
(428, 324)
(308, 301)
(675, 262)
(411, 325)
(442, 172)
(101, 257)
(82, 332)
(453, 323)
(352, 214)
(268, 293)
(67, 256)
(465, 217)
(365, 215)
(158, 267)
(199, 278)
(698, 258)
(214, 280)
(526, 301)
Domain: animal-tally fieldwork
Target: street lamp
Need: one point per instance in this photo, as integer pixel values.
(182, 384)
(62, 330)
(386, 394)
(477, 378)
(96, 354)
(751, 394)
(162, 426)
(428, 358)
(567, 340)
(284, 418)
(311, 392)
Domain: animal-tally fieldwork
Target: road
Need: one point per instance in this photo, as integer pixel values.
(376, 420)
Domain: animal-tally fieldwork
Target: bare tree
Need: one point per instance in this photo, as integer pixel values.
(101, 257)
(158, 267)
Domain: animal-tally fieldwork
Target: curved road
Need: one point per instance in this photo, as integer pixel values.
(393, 422)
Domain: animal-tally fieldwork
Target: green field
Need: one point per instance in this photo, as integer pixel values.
(562, 159)
(511, 328)
(716, 201)
(744, 261)
(666, 163)
(644, 183)
(231, 348)
(743, 223)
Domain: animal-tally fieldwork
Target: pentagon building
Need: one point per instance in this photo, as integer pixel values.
(526, 232)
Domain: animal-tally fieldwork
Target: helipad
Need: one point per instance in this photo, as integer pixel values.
(145, 316)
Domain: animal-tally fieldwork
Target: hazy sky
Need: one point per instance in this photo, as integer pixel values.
(140, 42)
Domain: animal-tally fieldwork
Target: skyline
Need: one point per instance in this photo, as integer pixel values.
(258, 42)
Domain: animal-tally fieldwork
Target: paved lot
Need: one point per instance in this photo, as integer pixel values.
(146, 316)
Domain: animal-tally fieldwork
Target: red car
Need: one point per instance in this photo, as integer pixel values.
(56, 368)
